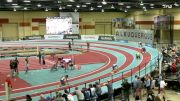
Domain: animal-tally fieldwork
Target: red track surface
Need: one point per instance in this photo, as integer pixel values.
(146, 58)
(87, 58)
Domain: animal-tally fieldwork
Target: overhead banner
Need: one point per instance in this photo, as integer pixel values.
(145, 36)
(106, 38)
(123, 23)
(72, 36)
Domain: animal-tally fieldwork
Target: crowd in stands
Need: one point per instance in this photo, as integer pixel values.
(141, 86)
(170, 59)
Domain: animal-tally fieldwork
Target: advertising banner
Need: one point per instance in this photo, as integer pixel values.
(36, 37)
(72, 36)
(145, 36)
(53, 37)
(89, 37)
(123, 23)
(106, 38)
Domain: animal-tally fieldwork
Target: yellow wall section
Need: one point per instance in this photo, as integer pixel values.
(149, 16)
(88, 18)
(91, 18)
(20, 17)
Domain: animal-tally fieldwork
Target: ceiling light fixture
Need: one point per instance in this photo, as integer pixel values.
(84, 5)
(78, 6)
(60, 8)
(88, 3)
(121, 3)
(104, 2)
(14, 4)
(125, 10)
(71, 0)
(46, 9)
(27, 1)
(14, 9)
(75, 10)
(141, 3)
(176, 4)
(91, 8)
(145, 10)
(9, 0)
(59, 2)
(151, 4)
(39, 5)
(112, 6)
(99, 6)
(152, 7)
(128, 6)
(102, 10)
(25, 8)
(69, 5)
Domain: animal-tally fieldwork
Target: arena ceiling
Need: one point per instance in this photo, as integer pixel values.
(86, 5)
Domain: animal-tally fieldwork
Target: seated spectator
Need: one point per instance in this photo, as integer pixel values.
(137, 98)
(80, 95)
(59, 97)
(48, 98)
(42, 98)
(157, 98)
(65, 95)
(86, 94)
(173, 67)
(177, 60)
(150, 96)
(28, 98)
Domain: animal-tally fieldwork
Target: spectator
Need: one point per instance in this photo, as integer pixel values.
(98, 91)
(134, 85)
(65, 95)
(93, 92)
(139, 87)
(86, 94)
(70, 97)
(80, 95)
(159, 80)
(110, 90)
(150, 96)
(28, 98)
(59, 97)
(148, 83)
(178, 80)
(162, 86)
(42, 98)
(126, 89)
